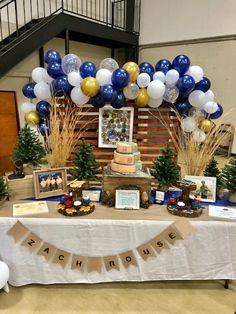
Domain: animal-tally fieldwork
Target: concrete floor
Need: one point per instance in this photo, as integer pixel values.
(172, 297)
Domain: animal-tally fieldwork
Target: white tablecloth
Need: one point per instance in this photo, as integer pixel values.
(209, 253)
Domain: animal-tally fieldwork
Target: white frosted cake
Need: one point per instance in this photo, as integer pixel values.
(126, 158)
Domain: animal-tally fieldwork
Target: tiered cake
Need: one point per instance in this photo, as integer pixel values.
(126, 158)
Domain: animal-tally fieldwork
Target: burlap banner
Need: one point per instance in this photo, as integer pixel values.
(176, 231)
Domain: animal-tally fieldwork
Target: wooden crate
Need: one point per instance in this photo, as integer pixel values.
(112, 181)
(20, 188)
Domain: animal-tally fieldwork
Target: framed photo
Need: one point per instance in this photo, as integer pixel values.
(127, 199)
(94, 195)
(206, 188)
(115, 125)
(50, 183)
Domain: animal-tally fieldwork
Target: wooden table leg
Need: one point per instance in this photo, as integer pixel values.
(226, 285)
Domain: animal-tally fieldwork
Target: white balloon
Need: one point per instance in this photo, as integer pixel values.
(39, 74)
(209, 96)
(156, 89)
(27, 106)
(199, 135)
(34, 129)
(4, 274)
(196, 72)
(104, 76)
(131, 91)
(143, 80)
(74, 78)
(210, 107)
(196, 98)
(47, 78)
(155, 103)
(42, 91)
(172, 77)
(78, 96)
(189, 124)
(159, 76)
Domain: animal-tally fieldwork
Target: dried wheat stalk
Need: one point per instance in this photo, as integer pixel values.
(66, 128)
(195, 156)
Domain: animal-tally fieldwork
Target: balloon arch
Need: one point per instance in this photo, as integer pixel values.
(177, 82)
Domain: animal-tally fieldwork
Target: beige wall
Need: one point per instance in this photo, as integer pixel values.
(21, 74)
(218, 62)
(173, 20)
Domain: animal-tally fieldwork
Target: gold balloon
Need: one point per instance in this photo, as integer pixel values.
(32, 117)
(133, 69)
(142, 98)
(206, 125)
(90, 86)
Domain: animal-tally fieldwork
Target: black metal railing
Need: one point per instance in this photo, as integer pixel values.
(18, 16)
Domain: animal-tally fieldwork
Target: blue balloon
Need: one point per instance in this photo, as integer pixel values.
(54, 69)
(183, 107)
(120, 78)
(107, 93)
(43, 108)
(218, 113)
(119, 100)
(163, 65)
(44, 128)
(185, 85)
(146, 67)
(28, 90)
(181, 64)
(88, 69)
(52, 56)
(61, 86)
(203, 85)
(97, 101)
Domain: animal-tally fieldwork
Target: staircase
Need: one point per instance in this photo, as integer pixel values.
(26, 25)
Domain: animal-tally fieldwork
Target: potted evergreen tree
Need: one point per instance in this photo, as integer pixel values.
(212, 170)
(85, 165)
(28, 149)
(165, 169)
(3, 190)
(229, 178)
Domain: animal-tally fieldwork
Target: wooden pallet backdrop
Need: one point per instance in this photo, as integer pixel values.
(148, 132)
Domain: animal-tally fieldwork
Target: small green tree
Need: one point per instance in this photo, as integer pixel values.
(165, 169)
(229, 175)
(213, 171)
(86, 167)
(3, 188)
(28, 148)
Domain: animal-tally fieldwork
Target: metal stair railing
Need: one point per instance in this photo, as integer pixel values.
(17, 17)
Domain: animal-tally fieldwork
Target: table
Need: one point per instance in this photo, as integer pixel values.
(208, 253)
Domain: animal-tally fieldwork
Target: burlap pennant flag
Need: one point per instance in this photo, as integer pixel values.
(18, 231)
(184, 227)
(111, 262)
(159, 243)
(128, 259)
(171, 234)
(61, 257)
(32, 242)
(47, 250)
(78, 262)
(94, 264)
(146, 251)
